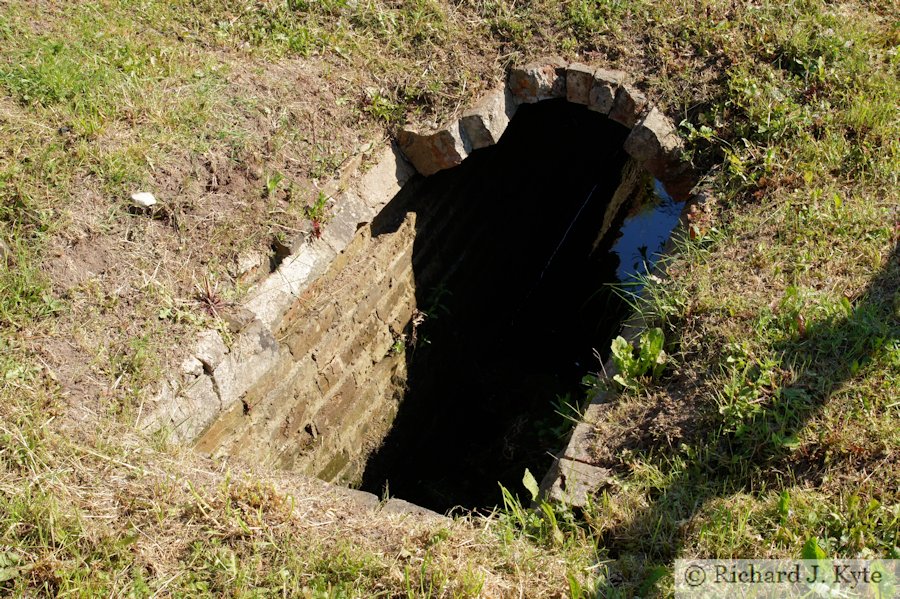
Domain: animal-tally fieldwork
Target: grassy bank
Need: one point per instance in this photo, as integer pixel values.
(774, 425)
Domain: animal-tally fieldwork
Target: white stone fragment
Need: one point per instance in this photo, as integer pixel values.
(210, 349)
(143, 199)
(191, 366)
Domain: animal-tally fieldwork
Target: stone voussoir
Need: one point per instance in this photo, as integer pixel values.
(537, 81)
(655, 143)
(604, 85)
(486, 121)
(579, 81)
(628, 105)
(653, 139)
(434, 152)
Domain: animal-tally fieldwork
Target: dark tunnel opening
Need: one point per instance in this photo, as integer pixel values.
(512, 288)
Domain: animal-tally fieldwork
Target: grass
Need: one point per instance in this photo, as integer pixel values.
(780, 315)
(774, 422)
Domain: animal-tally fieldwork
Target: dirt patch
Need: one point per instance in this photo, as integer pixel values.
(285, 128)
(657, 420)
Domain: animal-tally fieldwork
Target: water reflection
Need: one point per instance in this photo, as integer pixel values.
(644, 234)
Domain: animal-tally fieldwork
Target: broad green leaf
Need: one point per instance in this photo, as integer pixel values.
(651, 344)
(660, 364)
(9, 573)
(784, 506)
(531, 484)
(623, 356)
(811, 550)
(10, 558)
(621, 380)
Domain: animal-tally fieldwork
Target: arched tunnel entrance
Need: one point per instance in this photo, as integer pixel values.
(512, 263)
(433, 354)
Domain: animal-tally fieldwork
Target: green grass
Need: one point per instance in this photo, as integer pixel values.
(781, 318)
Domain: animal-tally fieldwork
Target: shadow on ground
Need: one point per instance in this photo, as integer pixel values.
(759, 451)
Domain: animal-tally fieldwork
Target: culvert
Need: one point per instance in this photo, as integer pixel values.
(424, 344)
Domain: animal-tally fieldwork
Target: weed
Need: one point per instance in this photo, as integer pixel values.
(384, 109)
(317, 213)
(650, 361)
(273, 180)
(210, 299)
(399, 345)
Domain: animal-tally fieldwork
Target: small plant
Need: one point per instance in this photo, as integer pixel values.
(651, 358)
(399, 346)
(273, 180)
(210, 300)
(384, 109)
(317, 213)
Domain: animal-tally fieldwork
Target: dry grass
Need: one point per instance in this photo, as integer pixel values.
(235, 114)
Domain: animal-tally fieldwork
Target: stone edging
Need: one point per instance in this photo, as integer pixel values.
(653, 141)
(574, 478)
(216, 376)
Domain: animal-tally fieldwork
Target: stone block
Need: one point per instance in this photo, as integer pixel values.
(210, 349)
(238, 318)
(254, 353)
(537, 81)
(333, 468)
(580, 443)
(628, 105)
(596, 409)
(334, 341)
(579, 81)
(382, 343)
(485, 122)
(401, 266)
(604, 85)
(400, 506)
(192, 367)
(271, 298)
(304, 335)
(384, 180)
(200, 405)
(160, 414)
(330, 374)
(366, 501)
(350, 211)
(655, 144)
(434, 152)
(366, 306)
(574, 483)
(653, 139)
(400, 289)
(336, 411)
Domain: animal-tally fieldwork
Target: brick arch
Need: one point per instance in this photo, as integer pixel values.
(653, 142)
